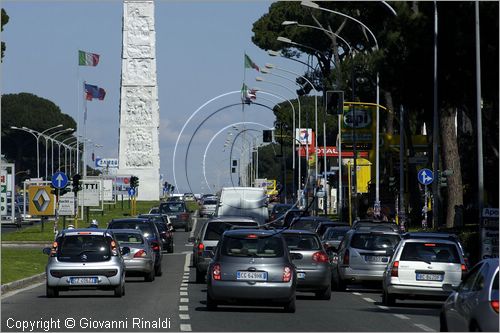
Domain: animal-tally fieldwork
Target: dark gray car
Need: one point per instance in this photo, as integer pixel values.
(252, 267)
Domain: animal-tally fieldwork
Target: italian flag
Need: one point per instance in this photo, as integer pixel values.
(87, 59)
(249, 63)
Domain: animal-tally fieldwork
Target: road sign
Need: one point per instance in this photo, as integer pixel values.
(67, 204)
(59, 180)
(41, 201)
(425, 177)
(131, 192)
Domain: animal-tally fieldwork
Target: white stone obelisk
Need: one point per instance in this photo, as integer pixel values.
(139, 151)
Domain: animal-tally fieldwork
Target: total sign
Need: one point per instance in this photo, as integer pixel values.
(304, 135)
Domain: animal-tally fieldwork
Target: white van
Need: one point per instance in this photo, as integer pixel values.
(243, 201)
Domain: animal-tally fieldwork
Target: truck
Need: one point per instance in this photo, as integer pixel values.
(243, 201)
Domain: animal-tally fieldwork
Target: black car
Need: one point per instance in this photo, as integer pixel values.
(165, 228)
(178, 214)
(291, 214)
(150, 231)
(278, 213)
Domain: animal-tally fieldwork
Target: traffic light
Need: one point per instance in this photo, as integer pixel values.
(134, 182)
(267, 136)
(443, 177)
(334, 102)
(77, 184)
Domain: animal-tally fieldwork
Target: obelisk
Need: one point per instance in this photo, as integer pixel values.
(139, 151)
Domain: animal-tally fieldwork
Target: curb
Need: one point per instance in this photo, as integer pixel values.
(19, 284)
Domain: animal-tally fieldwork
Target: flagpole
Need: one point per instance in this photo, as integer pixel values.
(243, 110)
(78, 130)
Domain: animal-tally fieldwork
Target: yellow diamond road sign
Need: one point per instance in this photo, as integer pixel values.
(41, 201)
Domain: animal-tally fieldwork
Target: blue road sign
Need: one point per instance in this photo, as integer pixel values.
(131, 191)
(59, 180)
(425, 177)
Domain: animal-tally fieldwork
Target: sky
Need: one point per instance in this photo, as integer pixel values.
(200, 47)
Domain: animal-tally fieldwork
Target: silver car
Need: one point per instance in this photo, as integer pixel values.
(363, 256)
(473, 306)
(333, 236)
(312, 262)
(208, 207)
(209, 236)
(141, 258)
(251, 267)
(85, 259)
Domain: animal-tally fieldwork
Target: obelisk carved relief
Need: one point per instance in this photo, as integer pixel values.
(139, 152)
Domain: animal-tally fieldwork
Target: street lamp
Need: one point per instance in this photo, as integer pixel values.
(66, 147)
(37, 147)
(52, 138)
(377, 139)
(46, 148)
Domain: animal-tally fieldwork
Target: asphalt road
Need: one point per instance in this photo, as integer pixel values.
(174, 302)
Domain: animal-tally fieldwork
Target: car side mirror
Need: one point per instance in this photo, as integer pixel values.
(296, 256)
(449, 288)
(46, 250)
(125, 250)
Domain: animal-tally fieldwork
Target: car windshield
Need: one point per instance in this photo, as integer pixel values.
(304, 225)
(88, 248)
(144, 227)
(430, 252)
(129, 238)
(216, 229)
(335, 233)
(374, 241)
(172, 207)
(271, 247)
(302, 242)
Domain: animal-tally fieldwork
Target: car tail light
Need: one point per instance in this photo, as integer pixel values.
(114, 250)
(345, 260)
(464, 270)
(155, 246)
(320, 257)
(252, 236)
(494, 305)
(216, 272)
(53, 251)
(140, 254)
(394, 270)
(287, 274)
(201, 247)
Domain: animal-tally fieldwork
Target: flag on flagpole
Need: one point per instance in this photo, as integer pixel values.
(247, 95)
(94, 92)
(249, 63)
(87, 59)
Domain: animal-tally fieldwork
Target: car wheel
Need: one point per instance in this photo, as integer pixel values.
(51, 292)
(200, 277)
(150, 277)
(119, 290)
(325, 294)
(158, 271)
(211, 304)
(388, 299)
(443, 327)
(290, 306)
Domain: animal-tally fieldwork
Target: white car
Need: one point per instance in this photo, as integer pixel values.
(420, 267)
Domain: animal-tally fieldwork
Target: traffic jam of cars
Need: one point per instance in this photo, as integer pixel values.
(266, 256)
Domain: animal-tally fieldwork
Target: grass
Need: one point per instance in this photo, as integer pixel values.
(19, 263)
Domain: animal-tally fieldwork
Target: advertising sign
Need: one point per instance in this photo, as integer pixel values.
(489, 233)
(358, 123)
(3, 192)
(304, 135)
(41, 201)
(107, 190)
(90, 193)
(111, 163)
(122, 184)
(67, 204)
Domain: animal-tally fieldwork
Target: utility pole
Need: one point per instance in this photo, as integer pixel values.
(402, 217)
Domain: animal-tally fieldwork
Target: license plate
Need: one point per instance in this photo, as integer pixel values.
(83, 280)
(376, 259)
(251, 276)
(429, 277)
(301, 275)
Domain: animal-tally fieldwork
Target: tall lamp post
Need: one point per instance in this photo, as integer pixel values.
(46, 137)
(52, 138)
(37, 146)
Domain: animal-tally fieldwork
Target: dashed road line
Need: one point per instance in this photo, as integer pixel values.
(184, 284)
(184, 300)
(183, 293)
(186, 328)
(369, 299)
(183, 308)
(424, 328)
(183, 316)
(357, 294)
(401, 316)
(383, 307)
(183, 288)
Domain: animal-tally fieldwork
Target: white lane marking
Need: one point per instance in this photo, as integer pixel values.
(183, 308)
(191, 234)
(185, 328)
(357, 294)
(369, 299)
(183, 293)
(401, 316)
(184, 284)
(424, 328)
(183, 288)
(383, 307)
(184, 300)
(14, 292)
(187, 261)
(183, 316)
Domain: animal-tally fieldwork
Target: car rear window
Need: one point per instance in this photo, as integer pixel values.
(161, 226)
(430, 252)
(88, 248)
(335, 233)
(129, 238)
(304, 225)
(374, 241)
(302, 242)
(172, 207)
(143, 226)
(209, 202)
(215, 229)
(270, 247)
